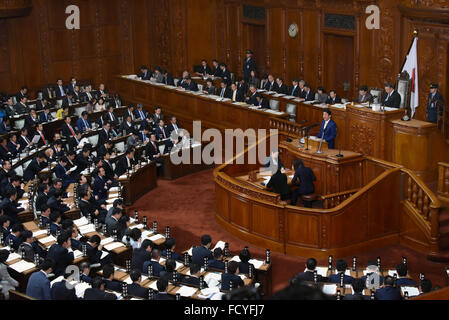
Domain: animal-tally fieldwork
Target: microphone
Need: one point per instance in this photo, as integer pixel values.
(339, 155)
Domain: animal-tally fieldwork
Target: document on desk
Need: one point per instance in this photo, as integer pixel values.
(104, 254)
(190, 252)
(147, 233)
(81, 222)
(289, 97)
(236, 259)
(412, 291)
(77, 254)
(189, 274)
(80, 288)
(88, 228)
(107, 241)
(47, 239)
(22, 266)
(13, 256)
(39, 233)
(156, 237)
(256, 263)
(322, 271)
(137, 226)
(391, 273)
(113, 246)
(185, 291)
(179, 265)
(347, 272)
(278, 95)
(330, 289)
(153, 286)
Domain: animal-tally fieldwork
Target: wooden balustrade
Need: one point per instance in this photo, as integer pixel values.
(443, 181)
(332, 200)
(425, 204)
(288, 128)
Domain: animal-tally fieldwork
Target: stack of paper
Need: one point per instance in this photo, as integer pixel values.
(188, 272)
(412, 291)
(113, 246)
(256, 263)
(47, 239)
(220, 244)
(88, 228)
(156, 237)
(185, 291)
(322, 271)
(236, 259)
(81, 222)
(106, 241)
(153, 286)
(80, 288)
(391, 273)
(208, 292)
(39, 233)
(347, 272)
(13, 256)
(330, 289)
(137, 226)
(77, 254)
(22, 266)
(147, 233)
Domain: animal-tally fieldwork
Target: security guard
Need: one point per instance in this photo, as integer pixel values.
(435, 103)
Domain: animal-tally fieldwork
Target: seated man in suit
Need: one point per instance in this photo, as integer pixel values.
(341, 266)
(60, 90)
(140, 113)
(10, 206)
(167, 78)
(85, 271)
(112, 222)
(97, 291)
(13, 145)
(328, 130)
(13, 239)
(45, 116)
(67, 130)
(308, 274)
(21, 107)
(35, 166)
(231, 276)
(127, 126)
(305, 177)
(142, 254)
(388, 291)
(364, 95)
(271, 84)
(262, 102)
(162, 285)
(62, 290)
(357, 287)
(157, 267)
(333, 98)
(82, 159)
(237, 95)
(225, 74)
(94, 251)
(88, 206)
(105, 133)
(224, 91)
(402, 279)
(38, 286)
(170, 270)
(87, 95)
(203, 251)
(295, 90)
(135, 289)
(62, 173)
(425, 286)
(170, 244)
(217, 261)
(24, 141)
(392, 98)
(5, 223)
(5, 126)
(216, 70)
(125, 163)
(252, 95)
(309, 95)
(371, 269)
(83, 124)
(190, 85)
(145, 73)
(101, 186)
(59, 252)
(209, 88)
(5, 154)
(108, 278)
(23, 92)
(244, 264)
(281, 87)
(55, 223)
(111, 116)
(40, 132)
(31, 120)
(28, 245)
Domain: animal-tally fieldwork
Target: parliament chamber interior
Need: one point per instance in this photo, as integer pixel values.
(224, 150)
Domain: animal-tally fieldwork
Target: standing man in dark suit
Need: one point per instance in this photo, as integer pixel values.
(248, 65)
(328, 129)
(224, 91)
(203, 251)
(435, 104)
(278, 183)
(23, 92)
(216, 70)
(205, 69)
(306, 178)
(333, 98)
(282, 88)
(392, 98)
(38, 286)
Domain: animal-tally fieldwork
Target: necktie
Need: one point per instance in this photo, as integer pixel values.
(176, 128)
(154, 146)
(234, 95)
(163, 132)
(62, 91)
(85, 124)
(26, 139)
(293, 91)
(71, 130)
(112, 117)
(222, 93)
(141, 115)
(42, 136)
(271, 86)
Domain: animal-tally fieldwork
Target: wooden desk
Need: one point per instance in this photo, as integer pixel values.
(188, 107)
(139, 183)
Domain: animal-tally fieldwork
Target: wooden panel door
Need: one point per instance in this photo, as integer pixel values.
(254, 39)
(339, 64)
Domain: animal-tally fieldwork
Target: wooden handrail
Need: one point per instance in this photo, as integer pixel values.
(333, 200)
(443, 180)
(424, 202)
(286, 127)
(384, 162)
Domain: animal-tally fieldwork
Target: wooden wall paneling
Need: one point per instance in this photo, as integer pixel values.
(293, 49)
(265, 221)
(302, 229)
(140, 33)
(240, 212)
(199, 16)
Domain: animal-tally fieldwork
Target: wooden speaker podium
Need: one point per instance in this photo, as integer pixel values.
(314, 144)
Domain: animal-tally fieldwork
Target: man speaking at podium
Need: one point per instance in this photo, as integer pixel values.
(328, 129)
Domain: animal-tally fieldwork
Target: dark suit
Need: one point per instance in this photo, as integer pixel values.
(44, 117)
(97, 294)
(100, 188)
(226, 75)
(30, 122)
(168, 80)
(271, 86)
(60, 91)
(83, 125)
(239, 96)
(127, 127)
(216, 72)
(282, 89)
(4, 129)
(145, 75)
(226, 279)
(294, 91)
(329, 134)
(224, 93)
(199, 253)
(86, 208)
(190, 87)
(356, 296)
(405, 282)
(216, 264)
(38, 286)
(59, 291)
(394, 101)
(122, 166)
(23, 143)
(152, 150)
(332, 101)
(248, 66)
(157, 268)
(366, 98)
(308, 276)
(164, 296)
(134, 289)
(435, 105)
(306, 178)
(210, 90)
(388, 293)
(104, 136)
(5, 154)
(65, 130)
(310, 96)
(139, 256)
(264, 104)
(113, 285)
(21, 108)
(33, 168)
(278, 183)
(252, 99)
(335, 278)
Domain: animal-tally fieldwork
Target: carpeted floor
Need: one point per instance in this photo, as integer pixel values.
(187, 206)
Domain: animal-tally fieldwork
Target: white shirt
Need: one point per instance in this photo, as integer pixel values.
(325, 124)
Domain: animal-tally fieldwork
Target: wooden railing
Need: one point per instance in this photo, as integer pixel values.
(443, 181)
(333, 200)
(424, 204)
(288, 128)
